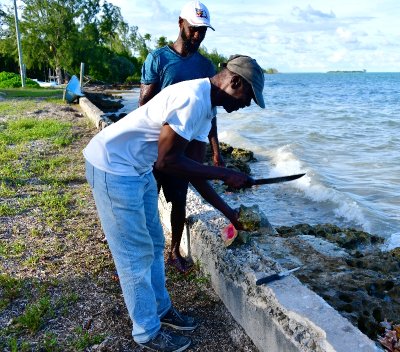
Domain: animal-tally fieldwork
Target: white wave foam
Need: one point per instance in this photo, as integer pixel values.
(285, 163)
(392, 242)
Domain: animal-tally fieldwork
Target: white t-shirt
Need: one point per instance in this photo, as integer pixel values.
(129, 147)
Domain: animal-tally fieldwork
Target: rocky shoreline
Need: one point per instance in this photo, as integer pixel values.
(345, 266)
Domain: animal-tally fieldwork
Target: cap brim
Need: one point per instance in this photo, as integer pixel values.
(200, 25)
(259, 99)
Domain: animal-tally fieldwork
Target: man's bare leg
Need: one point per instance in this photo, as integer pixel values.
(178, 216)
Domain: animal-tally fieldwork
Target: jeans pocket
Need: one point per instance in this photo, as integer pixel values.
(90, 174)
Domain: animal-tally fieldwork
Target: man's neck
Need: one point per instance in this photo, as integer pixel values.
(179, 48)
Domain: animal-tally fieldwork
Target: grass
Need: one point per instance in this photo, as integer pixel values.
(41, 160)
(29, 129)
(35, 315)
(32, 92)
(85, 339)
(10, 289)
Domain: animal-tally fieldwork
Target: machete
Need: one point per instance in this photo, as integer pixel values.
(275, 277)
(266, 181)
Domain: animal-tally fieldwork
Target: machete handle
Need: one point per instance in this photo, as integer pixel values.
(268, 279)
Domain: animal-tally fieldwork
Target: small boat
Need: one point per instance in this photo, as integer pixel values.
(73, 90)
(46, 84)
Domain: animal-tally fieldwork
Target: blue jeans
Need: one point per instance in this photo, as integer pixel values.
(128, 211)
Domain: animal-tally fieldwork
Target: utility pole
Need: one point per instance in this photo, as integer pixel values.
(21, 65)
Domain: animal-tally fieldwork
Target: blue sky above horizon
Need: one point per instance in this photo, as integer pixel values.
(291, 36)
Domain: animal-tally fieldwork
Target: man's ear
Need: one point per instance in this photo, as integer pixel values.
(236, 81)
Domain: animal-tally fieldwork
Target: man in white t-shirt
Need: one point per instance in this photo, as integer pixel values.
(119, 162)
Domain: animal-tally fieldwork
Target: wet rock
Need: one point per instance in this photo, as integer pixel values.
(235, 158)
(254, 222)
(105, 102)
(353, 275)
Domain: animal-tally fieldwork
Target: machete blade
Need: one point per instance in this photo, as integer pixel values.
(266, 181)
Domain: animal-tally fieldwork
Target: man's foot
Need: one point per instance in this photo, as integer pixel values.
(167, 341)
(178, 321)
(180, 264)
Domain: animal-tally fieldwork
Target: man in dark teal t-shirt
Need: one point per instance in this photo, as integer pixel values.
(171, 64)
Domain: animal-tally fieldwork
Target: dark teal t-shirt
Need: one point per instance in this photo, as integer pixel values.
(166, 67)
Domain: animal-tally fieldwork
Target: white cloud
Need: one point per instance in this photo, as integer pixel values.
(338, 56)
(346, 36)
(301, 35)
(311, 15)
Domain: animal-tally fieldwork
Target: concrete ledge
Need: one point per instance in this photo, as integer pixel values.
(94, 113)
(282, 316)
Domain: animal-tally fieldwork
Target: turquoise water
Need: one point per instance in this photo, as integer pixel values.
(343, 130)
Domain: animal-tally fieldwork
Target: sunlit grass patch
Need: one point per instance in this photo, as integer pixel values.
(55, 205)
(16, 108)
(6, 191)
(29, 129)
(11, 249)
(7, 210)
(32, 92)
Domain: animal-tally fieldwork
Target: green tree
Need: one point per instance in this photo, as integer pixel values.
(109, 24)
(139, 43)
(64, 33)
(162, 41)
(215, 58)
(8, 41)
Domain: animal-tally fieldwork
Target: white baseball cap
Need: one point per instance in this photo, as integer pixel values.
(196, 13)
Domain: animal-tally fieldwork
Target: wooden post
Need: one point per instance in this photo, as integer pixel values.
(21, 65)
(82, 74)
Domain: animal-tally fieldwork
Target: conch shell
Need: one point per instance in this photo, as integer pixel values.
(228, 234)
(254, 222)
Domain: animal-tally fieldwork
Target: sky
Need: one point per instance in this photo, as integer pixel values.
(291, 36)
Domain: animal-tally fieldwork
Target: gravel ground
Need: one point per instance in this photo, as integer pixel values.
(58, 270)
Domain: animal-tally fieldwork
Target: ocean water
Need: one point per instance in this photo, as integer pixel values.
(343, 130)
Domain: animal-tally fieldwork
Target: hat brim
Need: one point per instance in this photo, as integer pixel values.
(259, 99)
(200, 25)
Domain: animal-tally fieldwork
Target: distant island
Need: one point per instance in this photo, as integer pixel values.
(363, 71)
(271, 70)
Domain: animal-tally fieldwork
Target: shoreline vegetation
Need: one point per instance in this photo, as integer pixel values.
(361, 71)
(56, 286)
(110, 50)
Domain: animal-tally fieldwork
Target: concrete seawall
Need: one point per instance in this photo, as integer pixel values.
(281, 316)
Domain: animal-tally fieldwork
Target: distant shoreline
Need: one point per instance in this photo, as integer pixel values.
(362, 71)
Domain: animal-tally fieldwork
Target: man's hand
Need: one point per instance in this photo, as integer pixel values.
(234, 219)
(218, 160)
(237, 179)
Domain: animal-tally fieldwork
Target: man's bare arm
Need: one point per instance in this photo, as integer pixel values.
(192, 153)
(172, 159)
(147, 91)
(218, 160)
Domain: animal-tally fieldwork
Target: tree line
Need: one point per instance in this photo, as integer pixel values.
(60, 34)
